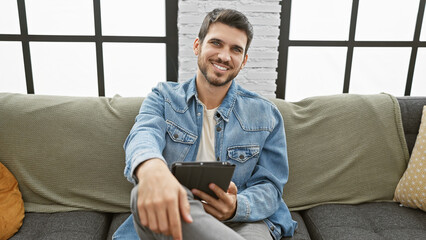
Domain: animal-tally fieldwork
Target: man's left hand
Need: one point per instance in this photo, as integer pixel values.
(222, 208)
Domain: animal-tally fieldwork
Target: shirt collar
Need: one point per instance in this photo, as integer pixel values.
(192, 89)
(227, 104)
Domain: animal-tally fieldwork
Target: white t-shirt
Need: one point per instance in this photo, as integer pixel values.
(206, 149)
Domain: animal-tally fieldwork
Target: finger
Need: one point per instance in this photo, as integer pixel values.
(174, 221)
(213, 211)
(143, 217)
(232, 188)
(203, 196)
(163, 221)
(218, 191)
(141, 213)
(211, 201)
(185, 209)
(152, 220)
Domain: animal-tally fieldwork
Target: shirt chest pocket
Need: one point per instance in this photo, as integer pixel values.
(180, 135)
(245, 159)
(243, 153)
(178, 142)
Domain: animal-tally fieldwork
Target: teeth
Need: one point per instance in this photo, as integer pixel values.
(221, 68)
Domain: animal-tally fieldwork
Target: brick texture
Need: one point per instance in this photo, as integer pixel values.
(260, 73)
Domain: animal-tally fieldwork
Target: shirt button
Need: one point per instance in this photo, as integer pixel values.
(175, 135)
(198, 114)
(272, 228)
(241, 157)
(218, 115)
(218, 129)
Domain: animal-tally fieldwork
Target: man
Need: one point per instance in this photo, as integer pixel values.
(209, 118)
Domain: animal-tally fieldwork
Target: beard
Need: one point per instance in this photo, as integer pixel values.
(214, 78)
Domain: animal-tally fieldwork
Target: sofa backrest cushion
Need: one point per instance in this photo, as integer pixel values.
(66, 152)
(344, 149)
(411, 113)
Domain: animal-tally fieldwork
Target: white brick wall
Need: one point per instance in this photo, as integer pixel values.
(260, 73)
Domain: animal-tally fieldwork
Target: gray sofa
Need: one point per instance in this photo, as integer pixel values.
(66, 153)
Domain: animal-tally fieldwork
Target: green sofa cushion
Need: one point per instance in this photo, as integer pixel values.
(67, 152)
(344, 149)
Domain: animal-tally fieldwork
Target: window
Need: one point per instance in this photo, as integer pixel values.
(108, 47)
(87, 48)
(351, 46)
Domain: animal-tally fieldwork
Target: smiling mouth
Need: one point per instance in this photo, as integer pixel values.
(220, 67)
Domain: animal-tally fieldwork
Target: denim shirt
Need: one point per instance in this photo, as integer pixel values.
(249, 133)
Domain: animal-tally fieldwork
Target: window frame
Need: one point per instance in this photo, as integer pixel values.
(171, 41)
(285, 43)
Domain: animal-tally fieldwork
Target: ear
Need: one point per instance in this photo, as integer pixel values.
(244, 61)
(196, 46)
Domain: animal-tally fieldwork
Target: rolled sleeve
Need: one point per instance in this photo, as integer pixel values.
(146, 138)
(136, 161)
(242, 213)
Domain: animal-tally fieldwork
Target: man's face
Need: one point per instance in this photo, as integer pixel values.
(221, 54)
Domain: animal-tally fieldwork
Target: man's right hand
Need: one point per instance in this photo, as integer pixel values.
(161, 199)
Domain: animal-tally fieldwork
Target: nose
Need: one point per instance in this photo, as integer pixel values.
(224, 55)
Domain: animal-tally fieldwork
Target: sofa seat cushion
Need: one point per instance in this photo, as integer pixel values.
(65, 225)
(365, 221)
(301, 232)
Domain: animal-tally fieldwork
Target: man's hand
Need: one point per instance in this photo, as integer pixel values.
(222, 208)
(161, 199)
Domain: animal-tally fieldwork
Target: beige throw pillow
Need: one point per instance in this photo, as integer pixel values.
(411, 190)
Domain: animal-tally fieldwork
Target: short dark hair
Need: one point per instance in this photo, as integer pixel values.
(230, 17)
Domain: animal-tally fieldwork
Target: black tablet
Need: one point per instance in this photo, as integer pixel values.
(200, 174)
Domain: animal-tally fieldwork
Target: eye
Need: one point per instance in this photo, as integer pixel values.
(216, 43)
(238, 50)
